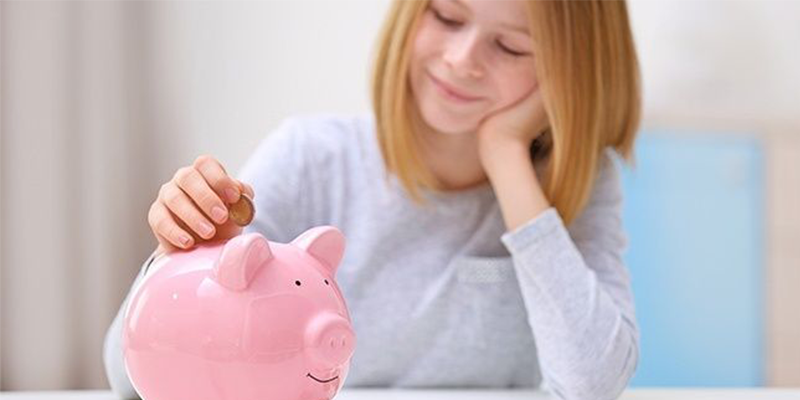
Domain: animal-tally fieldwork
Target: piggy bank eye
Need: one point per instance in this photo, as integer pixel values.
(326, 282)
(297, 283)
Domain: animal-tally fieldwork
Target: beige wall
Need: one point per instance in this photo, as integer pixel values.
(783, 264)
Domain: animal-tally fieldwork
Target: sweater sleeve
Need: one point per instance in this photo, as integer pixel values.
(276, 171)
(577, 293)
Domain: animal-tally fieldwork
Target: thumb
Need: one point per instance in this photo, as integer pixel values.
(246, 188)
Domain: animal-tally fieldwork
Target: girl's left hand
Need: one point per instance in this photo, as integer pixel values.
(512, 127)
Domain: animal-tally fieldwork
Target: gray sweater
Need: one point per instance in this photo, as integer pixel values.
(443, 296)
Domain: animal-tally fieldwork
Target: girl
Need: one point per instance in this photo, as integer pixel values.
(480, 199)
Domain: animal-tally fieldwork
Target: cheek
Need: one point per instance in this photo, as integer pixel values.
(427, 45)
(515, 83)
(424, 44)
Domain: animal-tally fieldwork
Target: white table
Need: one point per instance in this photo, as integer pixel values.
(384, 394)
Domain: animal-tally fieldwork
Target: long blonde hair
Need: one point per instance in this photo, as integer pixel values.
(589, 76)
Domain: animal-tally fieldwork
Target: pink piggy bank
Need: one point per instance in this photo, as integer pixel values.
(245, 319)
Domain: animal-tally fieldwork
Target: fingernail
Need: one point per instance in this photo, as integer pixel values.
(218, 214)
(184, 239)
(232, 194)
(206, 229)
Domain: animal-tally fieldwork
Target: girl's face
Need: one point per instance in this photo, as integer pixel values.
(470, 58)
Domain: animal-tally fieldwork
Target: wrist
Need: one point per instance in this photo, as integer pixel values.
(503, 156)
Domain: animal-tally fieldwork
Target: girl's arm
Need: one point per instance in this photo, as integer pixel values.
(574, 283)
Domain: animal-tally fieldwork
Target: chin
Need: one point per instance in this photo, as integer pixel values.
(447, 123)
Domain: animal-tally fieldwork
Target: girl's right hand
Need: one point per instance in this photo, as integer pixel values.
(193, 206)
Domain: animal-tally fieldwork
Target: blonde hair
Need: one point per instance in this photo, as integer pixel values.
(589, 76)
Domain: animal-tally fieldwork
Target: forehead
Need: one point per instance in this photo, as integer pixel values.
(503, 13)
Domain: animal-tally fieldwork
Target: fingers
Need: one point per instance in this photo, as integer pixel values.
(192, 206)
(168, 233)
(247, 189)
(190, 181)
(214, 174)
(183, 207)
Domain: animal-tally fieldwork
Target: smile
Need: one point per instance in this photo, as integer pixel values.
(321, 381)
(450, 94)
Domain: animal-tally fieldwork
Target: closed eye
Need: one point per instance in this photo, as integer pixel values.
(448, 22)
(455, 24)
(509, 51)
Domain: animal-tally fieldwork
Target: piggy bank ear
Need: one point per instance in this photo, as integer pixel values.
(240, 260)
(325, 243)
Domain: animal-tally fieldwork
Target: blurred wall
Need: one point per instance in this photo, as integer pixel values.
(221, 74)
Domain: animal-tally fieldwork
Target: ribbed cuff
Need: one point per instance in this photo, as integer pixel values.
(528, 234)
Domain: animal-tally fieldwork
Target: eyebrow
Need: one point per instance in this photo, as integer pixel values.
(518, 29)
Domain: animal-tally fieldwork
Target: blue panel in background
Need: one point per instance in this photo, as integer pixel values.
(694, 216)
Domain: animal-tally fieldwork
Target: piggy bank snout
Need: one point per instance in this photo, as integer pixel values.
(330, 339)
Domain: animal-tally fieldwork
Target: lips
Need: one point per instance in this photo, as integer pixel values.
(451, 91)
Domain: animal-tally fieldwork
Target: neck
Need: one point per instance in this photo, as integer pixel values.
(452, 158)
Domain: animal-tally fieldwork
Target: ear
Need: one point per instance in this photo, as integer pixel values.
(240, 260)
(325, 243)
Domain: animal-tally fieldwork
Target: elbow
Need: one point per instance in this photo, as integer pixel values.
(596, 383)
(613, 387)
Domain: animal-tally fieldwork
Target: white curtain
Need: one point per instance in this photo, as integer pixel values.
(75, 159)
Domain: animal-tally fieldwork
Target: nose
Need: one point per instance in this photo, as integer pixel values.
(330, 339)
(460, 55)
